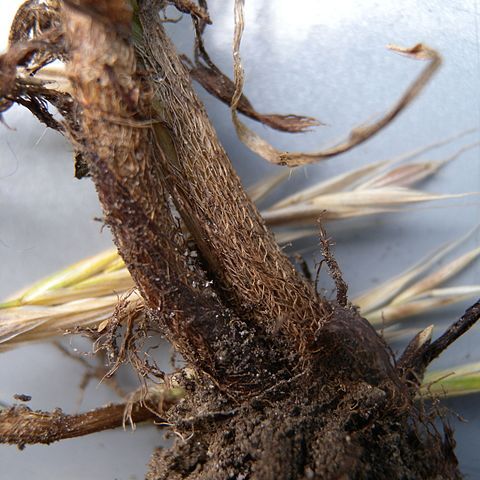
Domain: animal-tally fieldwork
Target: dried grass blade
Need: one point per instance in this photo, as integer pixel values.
(119, 278)
(116, 264)
(377, 197)
(113, 282)
(392, 313)
(463, 290)
(308, 214)
(349, 204)
(408, 175)
(117, 281)
(17, 324)
(431, 146)
(293, 235)
(403, 176)
(356, 137)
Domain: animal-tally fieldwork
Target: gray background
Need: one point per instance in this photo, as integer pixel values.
(319, 58)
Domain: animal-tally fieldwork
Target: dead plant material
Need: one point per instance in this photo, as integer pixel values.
(215, 82)
(21, 426)
(240, 252)
(378, 187)
(37, 323)
(191, 8)
(220, 86)
(131, 173)
(429, 351)
(356, 137)
(419, 341)
(124, 164)
(37, 29)
(122, 337)
(415, 291)
(351, 204)
(335, 272)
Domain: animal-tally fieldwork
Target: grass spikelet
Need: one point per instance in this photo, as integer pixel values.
(438, 277)
(34, 323)
(64, 278)
(383, 294)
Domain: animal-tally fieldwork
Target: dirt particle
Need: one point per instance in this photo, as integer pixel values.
(21, 397)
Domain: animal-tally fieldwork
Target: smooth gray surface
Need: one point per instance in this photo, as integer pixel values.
(325, 59)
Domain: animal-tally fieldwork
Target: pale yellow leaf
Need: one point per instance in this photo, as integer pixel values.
(408, 175)
(350, 204)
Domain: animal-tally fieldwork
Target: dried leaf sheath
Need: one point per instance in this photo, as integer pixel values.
(124, 163)
(241, 253)
(228, 229)
(226, 225)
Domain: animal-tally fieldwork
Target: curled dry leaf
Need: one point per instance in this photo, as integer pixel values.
(220, 86)
(359, 135)
(215, 82)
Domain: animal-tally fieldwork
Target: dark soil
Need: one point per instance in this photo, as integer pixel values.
(306, 423)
